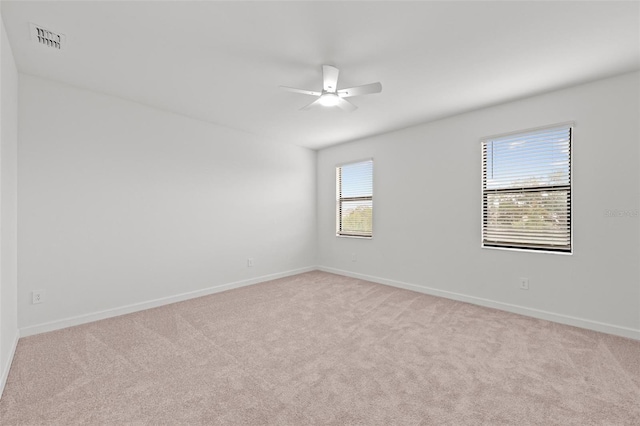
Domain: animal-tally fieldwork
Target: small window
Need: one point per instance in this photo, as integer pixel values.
(354, 190)
(526, 190)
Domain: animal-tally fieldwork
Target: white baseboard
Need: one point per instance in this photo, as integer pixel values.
(135, 307)
(535, 313)
(7, 366)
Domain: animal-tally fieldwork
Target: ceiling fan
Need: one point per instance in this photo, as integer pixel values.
(330, 95)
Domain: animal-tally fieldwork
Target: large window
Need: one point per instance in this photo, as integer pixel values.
(354, 190)
(526, 190)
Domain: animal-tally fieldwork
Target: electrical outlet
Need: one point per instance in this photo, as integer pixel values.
(354, 257)
(37, 296)
(524, 283)
(250, 262)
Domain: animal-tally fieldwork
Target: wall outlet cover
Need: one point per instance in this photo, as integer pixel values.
(37, 296)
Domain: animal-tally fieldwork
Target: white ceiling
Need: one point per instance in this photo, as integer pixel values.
(223, 61)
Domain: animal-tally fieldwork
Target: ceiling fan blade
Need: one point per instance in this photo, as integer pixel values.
(311, 105)
(346, 105)
(304, 92)
(360, 90)
(330, 78)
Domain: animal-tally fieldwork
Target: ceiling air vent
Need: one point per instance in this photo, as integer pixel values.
(45, 37)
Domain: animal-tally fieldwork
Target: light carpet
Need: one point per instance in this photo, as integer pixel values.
(319, 348)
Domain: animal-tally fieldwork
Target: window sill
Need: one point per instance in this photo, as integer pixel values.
(354, 236)
(561, 253)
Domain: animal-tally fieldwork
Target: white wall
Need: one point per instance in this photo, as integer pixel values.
(8, 205)
(122, 204)
(427, 210)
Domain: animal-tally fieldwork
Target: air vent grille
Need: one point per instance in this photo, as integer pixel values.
(45, 37)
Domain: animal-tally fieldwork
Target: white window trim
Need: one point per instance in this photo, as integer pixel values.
(570, 124)
(337, 209)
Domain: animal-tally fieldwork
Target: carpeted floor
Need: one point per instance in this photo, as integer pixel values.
(319, 348)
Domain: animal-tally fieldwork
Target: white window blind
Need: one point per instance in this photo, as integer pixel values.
(354, 190)
(526, 190)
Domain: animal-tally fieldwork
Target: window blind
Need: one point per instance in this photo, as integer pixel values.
(355, 199)
(526, 190)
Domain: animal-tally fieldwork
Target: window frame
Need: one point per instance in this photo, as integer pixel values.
(340, 200)
(544, 250)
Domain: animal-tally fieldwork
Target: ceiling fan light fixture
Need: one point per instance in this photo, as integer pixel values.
(329, 99)
(330, 96)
